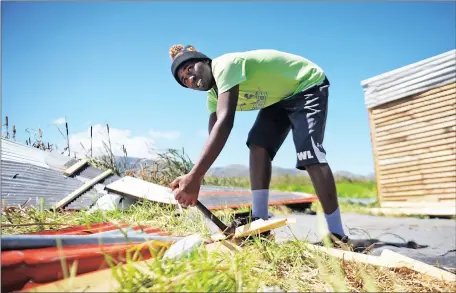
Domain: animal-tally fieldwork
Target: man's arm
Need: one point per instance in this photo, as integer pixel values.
(212, 120)
(222, 122)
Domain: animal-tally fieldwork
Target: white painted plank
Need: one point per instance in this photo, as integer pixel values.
(140, 189)
(75, 167)
(69, 198)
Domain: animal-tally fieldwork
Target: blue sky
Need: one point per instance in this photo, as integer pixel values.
(107, 62)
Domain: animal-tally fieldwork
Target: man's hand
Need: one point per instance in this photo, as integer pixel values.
(186, 189)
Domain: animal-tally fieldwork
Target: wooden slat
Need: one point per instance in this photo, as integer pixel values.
(373, 138)
(409, 138)
(407, 160)
(431, 199)
(439, 163)
(409, 103)
(388, 105)
(441, 192)
(422, 186)
(417, 113)
(72, 196)
(393, 146)
(418, 151)
(415, 122)
(418, 107)
(408, 181)
(414, 149)
(416, 127)
(412, 158)
(414, 204)
(400, 260)
(75, 167)
(434, 125)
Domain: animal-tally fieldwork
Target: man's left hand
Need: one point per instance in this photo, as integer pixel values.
(186, 189)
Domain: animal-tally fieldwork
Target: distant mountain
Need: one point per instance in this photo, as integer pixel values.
(242, 170)
(237, 170)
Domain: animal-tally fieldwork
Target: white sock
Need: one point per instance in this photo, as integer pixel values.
(260, 203)
(334, 222)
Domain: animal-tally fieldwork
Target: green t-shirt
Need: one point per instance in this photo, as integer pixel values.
(265, 77)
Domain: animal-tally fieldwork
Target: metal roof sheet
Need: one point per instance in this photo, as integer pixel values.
(22, 182)
(415, 78)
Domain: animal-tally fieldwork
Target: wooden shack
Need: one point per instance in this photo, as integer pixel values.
(412, 116)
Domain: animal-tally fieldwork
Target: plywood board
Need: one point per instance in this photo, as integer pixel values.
(75, 167)
(140, 189)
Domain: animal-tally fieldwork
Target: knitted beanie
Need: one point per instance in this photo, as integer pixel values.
(180, 55)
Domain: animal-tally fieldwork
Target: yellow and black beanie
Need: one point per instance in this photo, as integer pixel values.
(180, 55)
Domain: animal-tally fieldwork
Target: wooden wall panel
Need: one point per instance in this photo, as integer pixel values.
(414, 146)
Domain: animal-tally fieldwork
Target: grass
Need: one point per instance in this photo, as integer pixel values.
(291, 266)
(288, 265)
(299, 183)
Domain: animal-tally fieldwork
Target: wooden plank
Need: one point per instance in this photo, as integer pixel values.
(431, 170)
(434, 175)
(424, 203)
(72, 196)
(349, 255)
(411, 128)
(441, 124)
(415, 122)
(259, 226)
(424, 187)
(440, 211)
(256, 227)
(75, 167)
(406, 103)
(140, 189)
(429, 132)
(413, 149)
(373, 139)
(418, 167)
(414, 108)
(411, 142)
(437, 191)
(418, 157)
(422, 162)
(409, 182)
(417, 113)
(400, 260)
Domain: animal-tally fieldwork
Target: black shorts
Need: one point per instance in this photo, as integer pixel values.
(305, 114)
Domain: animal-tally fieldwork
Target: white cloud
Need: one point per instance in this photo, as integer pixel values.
(171, 135)
(59, 121)
(137, 146)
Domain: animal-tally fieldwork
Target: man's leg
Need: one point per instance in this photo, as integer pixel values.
(308, 115)
(265, 138)
(325, 187)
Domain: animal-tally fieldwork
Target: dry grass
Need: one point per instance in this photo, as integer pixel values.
(289, 265)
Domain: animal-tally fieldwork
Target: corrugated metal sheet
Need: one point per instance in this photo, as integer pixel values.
(217, 197)
(21, 182)
(411, 79)
(28, 268)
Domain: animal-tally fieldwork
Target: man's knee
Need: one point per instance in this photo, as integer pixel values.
(256, 149)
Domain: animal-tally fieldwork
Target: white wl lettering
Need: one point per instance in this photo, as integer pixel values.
(304, 155)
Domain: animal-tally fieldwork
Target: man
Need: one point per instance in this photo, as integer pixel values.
(291, 93)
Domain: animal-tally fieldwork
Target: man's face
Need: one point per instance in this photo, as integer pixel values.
(196, 75)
